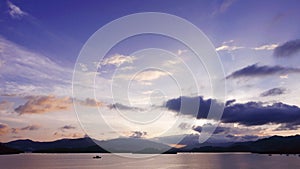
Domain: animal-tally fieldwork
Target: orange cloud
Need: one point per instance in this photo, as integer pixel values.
(44, 104)
(4, 129)
(90, 102)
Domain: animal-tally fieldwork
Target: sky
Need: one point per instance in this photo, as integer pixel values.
(136, 90)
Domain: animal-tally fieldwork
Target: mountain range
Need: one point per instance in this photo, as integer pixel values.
(271, 145)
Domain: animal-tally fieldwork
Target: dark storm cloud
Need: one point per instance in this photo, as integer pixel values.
(273, 92)
(256, 70)
(248, 114)
(218, 130)
(201, 111)
(287, 49)
(253, 113)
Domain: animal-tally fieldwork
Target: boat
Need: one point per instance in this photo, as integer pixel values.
(97, 157)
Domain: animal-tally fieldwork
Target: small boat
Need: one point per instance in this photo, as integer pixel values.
(97, 157)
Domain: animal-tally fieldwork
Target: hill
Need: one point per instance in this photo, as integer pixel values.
(271, 145)
(7, 150)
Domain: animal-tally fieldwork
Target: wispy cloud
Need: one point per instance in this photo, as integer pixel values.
(118, 60)
(27, 72)
(14, 11)
(228, 48)
(120, 106)
(26, 128)
(68, 135)
(31, 127)
(273, 92)
(67, 127)
(287, 49)
(256, 70)
(150, 75)
(223, 6)
(266, 47)
(180, 52)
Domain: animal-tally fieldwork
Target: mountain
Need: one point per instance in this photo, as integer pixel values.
(30, 146)
(88, 145)
(128, 145)
(7, 150)
(271, 145)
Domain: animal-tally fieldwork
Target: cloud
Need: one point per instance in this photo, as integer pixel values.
(67, 127)
(4, 129)
(27, 72)
(138, 134)
(6, 106)
(90, 102)
(218, 130)
(256, 70)
(223, 6)
(266, 47)
(185, 126)
(247, 114)
(26, 128)
(14, 11)
(284, 76)
(149, 75)
(50, 103)
(273, 92)
(120, 106)
(31, 127)
(68, 135)
(144, 77)
(180, 52)
(229, 102)
(284, 127)
(228, 48)
(190, 104)
(118, 60)
(44, 104)
(255, 113)
(287, 49)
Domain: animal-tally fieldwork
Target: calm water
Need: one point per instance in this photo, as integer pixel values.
(166, 161)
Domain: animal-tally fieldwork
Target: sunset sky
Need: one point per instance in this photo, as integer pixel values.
(258, 44)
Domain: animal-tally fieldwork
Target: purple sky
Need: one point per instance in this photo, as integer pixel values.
(257, 42)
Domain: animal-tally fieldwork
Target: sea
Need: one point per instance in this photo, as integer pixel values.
(162, 161)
